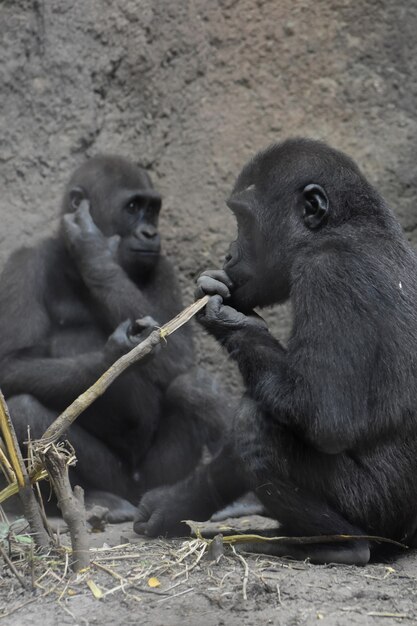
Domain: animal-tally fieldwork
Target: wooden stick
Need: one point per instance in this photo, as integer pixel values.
(64, 421)
(72, 503)
(183, 317)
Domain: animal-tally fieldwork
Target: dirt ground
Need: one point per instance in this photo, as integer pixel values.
(197, 586)
(191, 89)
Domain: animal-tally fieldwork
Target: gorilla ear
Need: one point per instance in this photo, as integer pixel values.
(76, 195)
(316, 206)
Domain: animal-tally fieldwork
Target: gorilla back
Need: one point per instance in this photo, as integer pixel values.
(66, 313)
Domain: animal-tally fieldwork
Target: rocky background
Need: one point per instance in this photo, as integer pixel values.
(191, 89)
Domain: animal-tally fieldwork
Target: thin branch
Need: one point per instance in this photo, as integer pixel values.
(64, 421)
(72, 503)
(6, 467)
(246, 573)
(308, 540)
(12, 447)
(11, 566)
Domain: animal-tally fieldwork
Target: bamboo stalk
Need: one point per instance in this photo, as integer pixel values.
(27, 497)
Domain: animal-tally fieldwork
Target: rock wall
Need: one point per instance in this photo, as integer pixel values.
(191, 89)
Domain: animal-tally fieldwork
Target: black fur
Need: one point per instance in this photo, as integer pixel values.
(327, 429)
(63, 311)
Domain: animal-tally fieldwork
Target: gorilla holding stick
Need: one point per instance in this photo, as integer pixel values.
(66, 314)
(326, 432)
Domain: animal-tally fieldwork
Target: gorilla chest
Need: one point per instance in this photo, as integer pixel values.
(74, 328)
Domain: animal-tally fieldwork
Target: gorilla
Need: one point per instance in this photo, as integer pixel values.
(67, 308)
(326, 432)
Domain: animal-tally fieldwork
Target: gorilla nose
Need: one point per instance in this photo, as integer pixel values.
(148, 232)
(146, 239)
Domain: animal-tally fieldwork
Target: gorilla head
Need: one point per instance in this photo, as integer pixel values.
(123, 202)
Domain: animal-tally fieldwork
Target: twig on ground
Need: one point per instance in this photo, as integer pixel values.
(11, 566)
(176, 595)
(232, 539)
(246, 574)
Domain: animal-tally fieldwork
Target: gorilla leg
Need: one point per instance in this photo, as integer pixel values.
(96, 464)
(194, 414)
(206, 490)
(270, 454)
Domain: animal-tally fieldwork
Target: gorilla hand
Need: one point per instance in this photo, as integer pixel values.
(220, 319)
(128, 335)
(84, 239)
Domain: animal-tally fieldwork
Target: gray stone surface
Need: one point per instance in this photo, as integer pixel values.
(191, 89)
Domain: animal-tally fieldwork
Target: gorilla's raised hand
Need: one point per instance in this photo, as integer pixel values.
(84, 239)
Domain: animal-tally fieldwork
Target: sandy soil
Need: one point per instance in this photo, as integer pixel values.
(197, 586)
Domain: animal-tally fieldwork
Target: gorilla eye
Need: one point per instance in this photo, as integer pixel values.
(135, 205)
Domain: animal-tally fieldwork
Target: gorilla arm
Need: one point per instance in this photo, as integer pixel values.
(25, 366)
(308, 387)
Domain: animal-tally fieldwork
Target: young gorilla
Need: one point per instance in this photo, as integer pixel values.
(327, 428)
(66, 308)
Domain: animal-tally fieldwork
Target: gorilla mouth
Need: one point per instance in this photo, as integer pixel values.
(145, 251)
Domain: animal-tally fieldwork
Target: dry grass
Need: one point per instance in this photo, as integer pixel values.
(149, 570)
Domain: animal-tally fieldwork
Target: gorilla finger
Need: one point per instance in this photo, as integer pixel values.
(214, 304)
(257, 320)
(84, 218)
(155, 525)
(152, 527)
(140, 330)
(139, 528)
(142, 324)
(211, 310)
(220, 275)
(113, 243)
(69, 219)
(125, 326)
(70, 227)
(122, 329)
(142, 514)
(210, 286)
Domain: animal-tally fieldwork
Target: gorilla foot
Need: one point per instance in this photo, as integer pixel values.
(119, 509)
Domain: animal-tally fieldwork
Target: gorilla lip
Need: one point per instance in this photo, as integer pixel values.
(145, 251)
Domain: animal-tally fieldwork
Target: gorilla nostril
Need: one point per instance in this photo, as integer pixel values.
(149, 233)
